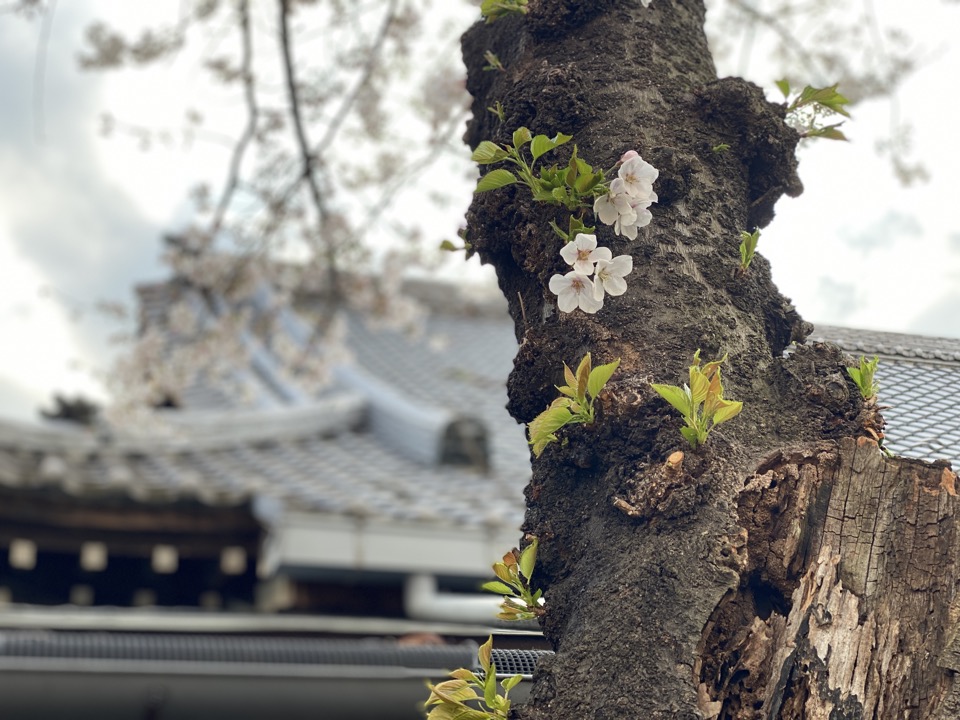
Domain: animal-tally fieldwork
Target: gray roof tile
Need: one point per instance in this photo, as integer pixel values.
(919, 381)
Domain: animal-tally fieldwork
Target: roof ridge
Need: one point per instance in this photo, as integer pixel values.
(190, 430)
(890, 344)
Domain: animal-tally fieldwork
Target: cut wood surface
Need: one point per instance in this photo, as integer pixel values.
(847, 606)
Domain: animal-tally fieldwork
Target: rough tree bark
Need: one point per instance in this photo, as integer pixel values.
(787, 569)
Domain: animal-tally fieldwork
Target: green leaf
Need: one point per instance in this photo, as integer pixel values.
(521, 136)
(464, 674)
(712, 367)
(863, 376)
(511, 682)
(498, 587)
(488, 152)
(691, 436)
(828, 97)
(443, 712)
(566, 390)
(490, 686)
(528, 558)
(599, 377)
(539, 145)
(583, 375)
(587, 181)
(453, 691)
(483, 654)
(556, 228)
(676, 396)
(540, 444)
(549, 421)
(784, 86)
(573, 169)
(457, 712)
(727, 410)
(493, 9)
(502, 572)
(495, 179)
(830, 132)
(551, 177)
(577, 226)
(542, 144)
(699, 384)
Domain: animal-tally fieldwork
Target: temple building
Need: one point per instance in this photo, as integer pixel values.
(305, 554)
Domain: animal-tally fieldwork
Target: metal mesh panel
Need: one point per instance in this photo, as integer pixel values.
(922, 417)
(231, 649)
(517, 662)
(919, 379)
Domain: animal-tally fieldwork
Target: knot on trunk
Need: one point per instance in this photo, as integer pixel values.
(765, 145)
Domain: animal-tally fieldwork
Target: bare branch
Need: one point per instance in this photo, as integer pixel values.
(405, 176)
(249, 90)
(791, 43)
(373, 55)
(39, 72)
(307, 159)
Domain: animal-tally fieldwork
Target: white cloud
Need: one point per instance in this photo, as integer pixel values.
(39, 341)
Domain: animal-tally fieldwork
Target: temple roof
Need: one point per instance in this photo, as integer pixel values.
(375, 444)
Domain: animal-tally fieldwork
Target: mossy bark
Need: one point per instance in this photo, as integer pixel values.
(655, 576)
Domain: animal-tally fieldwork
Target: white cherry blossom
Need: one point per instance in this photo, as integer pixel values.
(637, 176)
(628, 226)
(583, 252)
(575, 290)
(609, 276)
(630, 194)
(611, 207)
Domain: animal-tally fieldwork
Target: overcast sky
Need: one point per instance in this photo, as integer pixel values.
(81, 216)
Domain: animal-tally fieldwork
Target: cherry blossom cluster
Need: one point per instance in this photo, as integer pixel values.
(631, 193)
(576, 289)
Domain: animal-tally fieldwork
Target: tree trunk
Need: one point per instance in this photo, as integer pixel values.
(784, 569)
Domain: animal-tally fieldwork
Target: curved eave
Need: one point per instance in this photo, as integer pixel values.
(199, 429)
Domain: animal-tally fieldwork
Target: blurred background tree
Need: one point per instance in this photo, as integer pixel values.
(325, 135)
